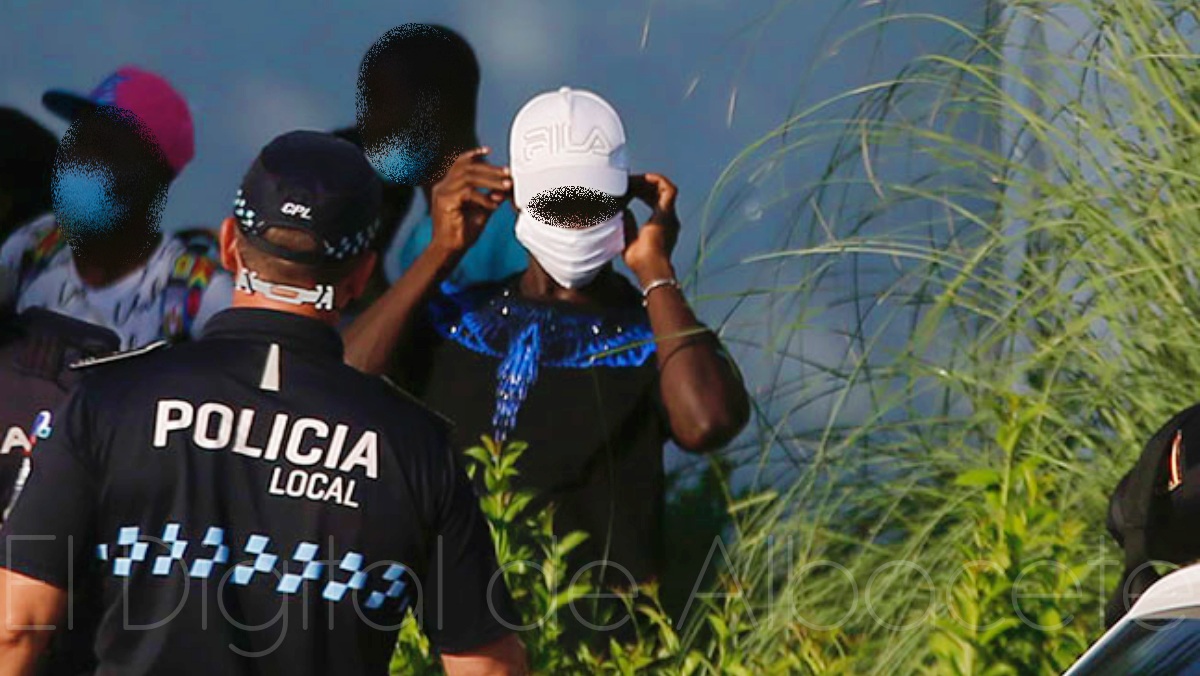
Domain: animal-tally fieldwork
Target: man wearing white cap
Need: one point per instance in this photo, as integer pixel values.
(595, 374)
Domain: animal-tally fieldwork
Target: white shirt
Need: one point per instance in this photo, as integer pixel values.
(133, 307)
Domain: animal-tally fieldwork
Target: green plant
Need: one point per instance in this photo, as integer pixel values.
(535, 568)
(1012, 312)
(1012, 608)
(1002, 254)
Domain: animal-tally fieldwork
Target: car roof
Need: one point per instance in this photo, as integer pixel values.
(1177, 590)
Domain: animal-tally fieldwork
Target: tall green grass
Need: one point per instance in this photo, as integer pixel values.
(979, 309)
(1013, 324)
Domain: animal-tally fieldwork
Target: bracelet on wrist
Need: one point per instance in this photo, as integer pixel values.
(658, 284)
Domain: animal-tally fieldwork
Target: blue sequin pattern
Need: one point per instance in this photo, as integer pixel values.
(527, 337)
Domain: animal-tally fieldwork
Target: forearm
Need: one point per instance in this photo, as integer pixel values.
(702, 391)
(19, 651)
(28, 610)
(505, 657)
(373, 338)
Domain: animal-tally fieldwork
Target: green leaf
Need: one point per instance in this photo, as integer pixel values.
(978, 478)
(570, 541)
(756, 499)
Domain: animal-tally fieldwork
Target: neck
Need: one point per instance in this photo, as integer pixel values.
(241, 299)
(101, 267)
(537, 284)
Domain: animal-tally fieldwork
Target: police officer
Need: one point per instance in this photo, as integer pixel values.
(36, 348)
(247, 503)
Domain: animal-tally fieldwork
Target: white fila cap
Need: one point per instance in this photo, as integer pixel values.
(569, 137)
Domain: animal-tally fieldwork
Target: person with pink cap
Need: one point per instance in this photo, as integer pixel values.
(163, 291)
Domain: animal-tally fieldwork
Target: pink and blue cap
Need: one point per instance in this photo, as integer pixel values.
(147, 96)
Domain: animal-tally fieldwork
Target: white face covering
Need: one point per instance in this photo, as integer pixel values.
(572, 257)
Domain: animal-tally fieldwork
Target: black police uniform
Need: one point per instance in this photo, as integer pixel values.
(253, 505)
(247, 503)
(36, 349)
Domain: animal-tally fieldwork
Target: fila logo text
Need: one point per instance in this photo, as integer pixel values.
(556, 139)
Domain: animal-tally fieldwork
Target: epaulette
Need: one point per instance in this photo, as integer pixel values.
(117, 356)
(420, 404)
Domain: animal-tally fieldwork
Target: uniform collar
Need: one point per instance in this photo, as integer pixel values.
(294, 332)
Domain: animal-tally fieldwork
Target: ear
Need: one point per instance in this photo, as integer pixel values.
(356, 282)
(228, 241)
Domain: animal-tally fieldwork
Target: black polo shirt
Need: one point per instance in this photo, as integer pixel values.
(251, 505)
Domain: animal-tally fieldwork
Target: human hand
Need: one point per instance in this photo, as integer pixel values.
(463, 201)
(648, 249)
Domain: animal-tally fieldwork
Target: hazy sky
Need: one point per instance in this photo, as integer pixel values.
(694, 80)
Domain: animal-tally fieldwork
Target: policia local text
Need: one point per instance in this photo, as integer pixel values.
(212, 427)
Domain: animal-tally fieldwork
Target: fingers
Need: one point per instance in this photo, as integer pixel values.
(469, 171)
(655, 190)
(629, 225)
(470, 156)
(450, 197)
(488, 176)
(483, 200)
(453, 201)
(664, 190)
(642, 189)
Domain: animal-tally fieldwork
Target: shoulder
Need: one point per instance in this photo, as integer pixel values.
(196, 285)
(470, 297)
(106, 380)
(406, 420)
(199, 241)
(418, 436)
(191, 257)
(28, 235)
(409, 401)
(123, 357)
(449, 305)
(41, 238)
(399, 409)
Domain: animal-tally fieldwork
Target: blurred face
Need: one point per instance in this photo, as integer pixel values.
(410, 132)
(110, 181)
(575, 208)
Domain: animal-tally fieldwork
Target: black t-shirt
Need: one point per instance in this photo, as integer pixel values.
(251, 505)
(580, 386)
